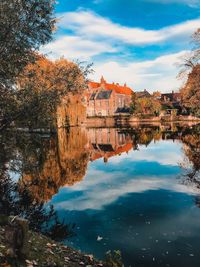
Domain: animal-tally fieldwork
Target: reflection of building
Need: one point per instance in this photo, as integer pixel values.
(66, 157)
(104, 99)
(108, 142)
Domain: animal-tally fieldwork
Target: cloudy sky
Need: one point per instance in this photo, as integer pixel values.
(140, 42)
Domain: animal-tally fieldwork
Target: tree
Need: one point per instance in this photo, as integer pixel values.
(43, 85)
(40, 88)
(25, 26)
(191, 91)
(146, 105)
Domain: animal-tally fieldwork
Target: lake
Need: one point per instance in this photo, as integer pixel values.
(136, 189)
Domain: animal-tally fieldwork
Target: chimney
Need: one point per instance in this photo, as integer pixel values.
(125, 85)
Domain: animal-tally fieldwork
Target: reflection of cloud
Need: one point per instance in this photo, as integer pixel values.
(162, 152)
(99, 194)
(104, 184)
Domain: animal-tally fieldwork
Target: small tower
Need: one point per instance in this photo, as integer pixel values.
(102, 81)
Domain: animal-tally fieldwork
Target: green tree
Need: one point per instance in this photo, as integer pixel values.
(146, 105)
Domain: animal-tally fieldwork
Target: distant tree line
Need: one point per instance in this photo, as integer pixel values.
(190, 92)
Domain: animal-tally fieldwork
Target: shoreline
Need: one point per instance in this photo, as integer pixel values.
(43, 252)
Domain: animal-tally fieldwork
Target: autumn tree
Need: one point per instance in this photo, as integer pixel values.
(25, 26)
(145, 105)
(191, 90)
(42, 85)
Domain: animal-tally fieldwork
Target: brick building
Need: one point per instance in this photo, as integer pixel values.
(104, 99)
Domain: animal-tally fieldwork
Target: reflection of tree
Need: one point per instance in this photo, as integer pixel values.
(17, 155)
(21, 203)
(63, 161)
(44, 164)
(191, 140)
(144, 135)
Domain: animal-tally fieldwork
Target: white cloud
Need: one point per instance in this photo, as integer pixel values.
(93, 35)
(74, 47)
(91, 25)
(158, 74)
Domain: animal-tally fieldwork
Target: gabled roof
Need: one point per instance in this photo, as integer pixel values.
(142, 94)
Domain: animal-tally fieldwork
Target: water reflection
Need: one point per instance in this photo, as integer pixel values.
(63, 162)
(134, 189)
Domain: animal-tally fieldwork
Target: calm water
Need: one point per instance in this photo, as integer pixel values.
(134, 190)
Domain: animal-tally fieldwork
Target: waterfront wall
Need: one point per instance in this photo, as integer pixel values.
(129, 120)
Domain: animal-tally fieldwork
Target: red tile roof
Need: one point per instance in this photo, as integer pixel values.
(116, 87)
(119, 150)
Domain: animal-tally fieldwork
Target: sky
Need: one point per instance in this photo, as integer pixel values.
(138, 42)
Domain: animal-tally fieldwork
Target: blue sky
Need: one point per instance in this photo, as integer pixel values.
(139, 42)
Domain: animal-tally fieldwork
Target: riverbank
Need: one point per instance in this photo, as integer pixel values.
(44, 252)
(129, 120)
